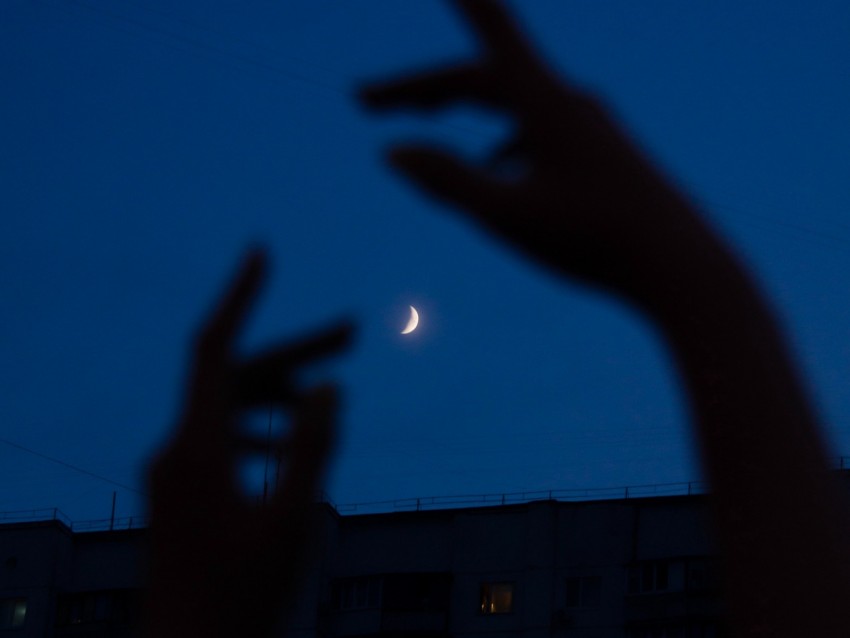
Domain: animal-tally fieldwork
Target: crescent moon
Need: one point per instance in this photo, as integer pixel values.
(412, 322)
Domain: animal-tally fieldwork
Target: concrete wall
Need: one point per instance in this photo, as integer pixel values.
(543, 549)
(35, 559)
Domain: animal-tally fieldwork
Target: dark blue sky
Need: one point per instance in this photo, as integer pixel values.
(145, 145)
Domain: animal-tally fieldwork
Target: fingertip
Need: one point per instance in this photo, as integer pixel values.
(437, 170)
(397, 157)
(256, 258)
(381, 94)
(253, 268)
(233, 305)
(368, 95)
(444, 176)
(339, 337)
(409, 159)
(347, 330)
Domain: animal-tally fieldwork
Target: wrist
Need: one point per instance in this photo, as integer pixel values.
(690, 278)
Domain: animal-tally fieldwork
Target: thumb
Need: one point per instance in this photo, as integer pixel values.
(447, 178)
(311, 442)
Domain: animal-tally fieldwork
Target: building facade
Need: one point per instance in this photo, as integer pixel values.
(625, 568)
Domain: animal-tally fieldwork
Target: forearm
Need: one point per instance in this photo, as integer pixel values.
(781, 522)
(589, 206)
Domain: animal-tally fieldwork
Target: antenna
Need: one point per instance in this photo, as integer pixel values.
(268, 450)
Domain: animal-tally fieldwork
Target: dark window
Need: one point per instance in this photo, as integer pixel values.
(496, 598)
(124, 606)
(704, 630)
(664, 631)
(583, 591)
(356, 593)
(424, 591)
(678, 629)
(13, 612)
(116, 607)
(648, 577)
(703, 574)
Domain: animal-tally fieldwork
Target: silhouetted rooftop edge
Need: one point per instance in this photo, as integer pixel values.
(413, 504)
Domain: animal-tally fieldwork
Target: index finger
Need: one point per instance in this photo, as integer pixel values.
(497, 30)
(227, 319)
(498, 80)
(266, 378)
(433, 89)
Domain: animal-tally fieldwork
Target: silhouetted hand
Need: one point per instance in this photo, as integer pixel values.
(586, 202)
(588, 205)
(221, 565)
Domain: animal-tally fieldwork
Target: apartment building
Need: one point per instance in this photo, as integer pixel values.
(624, 568)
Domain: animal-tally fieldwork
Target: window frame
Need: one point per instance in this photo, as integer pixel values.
(357, 593)
(648, 577)
(10, 610)
(487, 593)
(584, 598)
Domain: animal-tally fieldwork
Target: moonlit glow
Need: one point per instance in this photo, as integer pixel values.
(412, 322)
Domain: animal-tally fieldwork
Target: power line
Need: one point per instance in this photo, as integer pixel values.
(71, 466)
(169, 36)
(334, 83)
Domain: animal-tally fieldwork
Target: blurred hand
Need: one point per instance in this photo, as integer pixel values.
(586, 202)
(222, 565)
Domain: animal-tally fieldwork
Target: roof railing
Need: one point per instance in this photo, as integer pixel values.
(35, 516)
(688, 488)
(516, 498)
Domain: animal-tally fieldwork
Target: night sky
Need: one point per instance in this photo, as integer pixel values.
(145, 146)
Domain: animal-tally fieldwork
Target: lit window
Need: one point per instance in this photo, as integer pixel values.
(583, 591)
(497, 598)
(13, 612)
